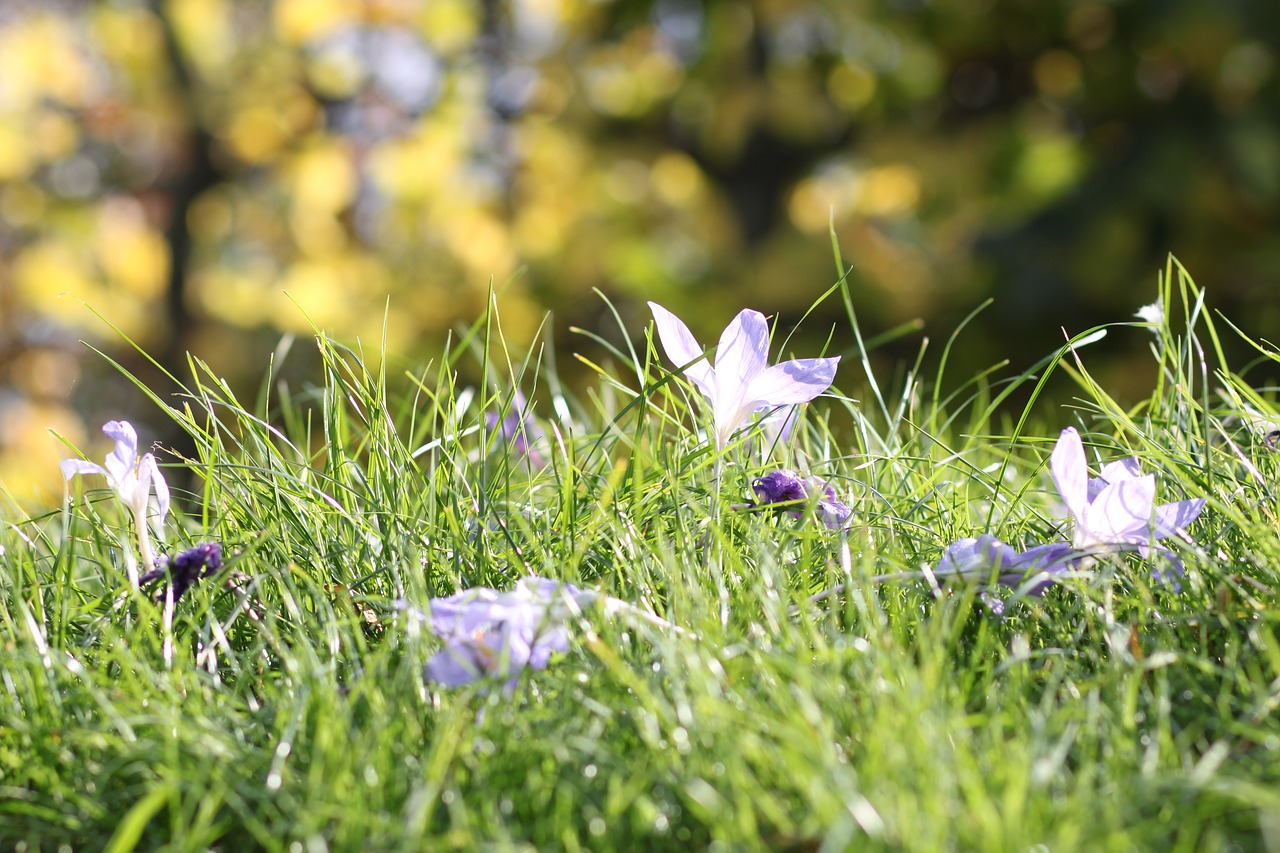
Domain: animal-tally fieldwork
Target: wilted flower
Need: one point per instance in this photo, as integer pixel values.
(1114, 511)
(187, 568)
(132, 478)
(741, 382)
(786, 486)
(489, 634)
(1030, 571)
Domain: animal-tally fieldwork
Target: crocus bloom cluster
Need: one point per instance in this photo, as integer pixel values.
(784, 486)
(491, 634)
(187, 568)
(741, 381)
(133, 478)
(1113, 512)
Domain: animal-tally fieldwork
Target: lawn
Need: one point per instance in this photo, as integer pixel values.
(752, 630)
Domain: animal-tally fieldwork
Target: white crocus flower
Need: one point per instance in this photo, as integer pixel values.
(133, 479)
(741, 381)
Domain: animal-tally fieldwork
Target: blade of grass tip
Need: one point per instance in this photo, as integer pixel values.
(1083, 339)
(622, 327)
(812, 307)
(946, 356)
(847, 296)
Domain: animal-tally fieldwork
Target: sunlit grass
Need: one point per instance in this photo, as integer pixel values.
(292, 712)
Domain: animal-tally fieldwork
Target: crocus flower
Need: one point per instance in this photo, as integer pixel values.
(786, 486)
(1115, 511)
(1034, 569)
(741, 381)
(132, 478)
(518, 430)
(187, 568)
(490, 634)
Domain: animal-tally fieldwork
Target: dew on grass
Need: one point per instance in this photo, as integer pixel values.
(661, 824)
(590, 771)
(597, 826)
(273, 781)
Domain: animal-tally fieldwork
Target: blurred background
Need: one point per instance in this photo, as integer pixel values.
(207, 175)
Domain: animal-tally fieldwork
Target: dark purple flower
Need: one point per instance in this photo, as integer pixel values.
(491, 634)
(187, 568)
(785, 486)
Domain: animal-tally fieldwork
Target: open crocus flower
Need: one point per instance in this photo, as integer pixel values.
(741, 381)
(1116, 510)
(491, 634)
(133, 478)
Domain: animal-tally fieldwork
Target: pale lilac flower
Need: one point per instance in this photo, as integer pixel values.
(1116, 510)
(786, 486)
(133, 478)
(1035, 568)
(491, 634)
(518, 430)
(741, 381)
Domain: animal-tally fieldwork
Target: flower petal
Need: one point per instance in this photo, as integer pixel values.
(71, 467)
(1067, 464)
(796, 381)
(158, 483)
(1121, 512)
(743, 351)
(1172, 518)
(123, 460)
(683, 349)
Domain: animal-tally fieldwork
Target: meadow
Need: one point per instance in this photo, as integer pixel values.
(383, 610)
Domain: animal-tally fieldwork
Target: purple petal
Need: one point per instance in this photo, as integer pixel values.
(780, 486)
(1067, 465)
(455, 665)
(833, 513)
(1174, 517)
(791, 382)
(975, 556)
(683, 349)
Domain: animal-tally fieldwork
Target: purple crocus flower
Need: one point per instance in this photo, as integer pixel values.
(187, 568)
(786, 486)
(741, 381)
(1028, 572)
(1115, 511)
(491, 634)
(518, 430)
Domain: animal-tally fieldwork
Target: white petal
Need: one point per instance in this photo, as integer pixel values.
(791, 382)
(1122, 511)
(682, 348)
(1067, 465)
(71, 467)
(123, 460)
(158, 483)
(743, 351)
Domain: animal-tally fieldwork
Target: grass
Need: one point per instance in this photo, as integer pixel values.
(283, 705)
